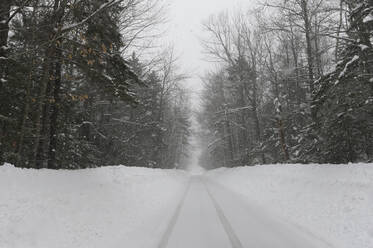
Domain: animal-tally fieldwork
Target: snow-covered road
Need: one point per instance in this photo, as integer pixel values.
(212, 216)
(300, 206)
(197, 224)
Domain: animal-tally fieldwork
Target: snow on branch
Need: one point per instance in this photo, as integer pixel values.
(101, 8)
(355, 58)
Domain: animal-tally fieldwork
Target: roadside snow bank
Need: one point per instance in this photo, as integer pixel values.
(105, 207)
(334, 202)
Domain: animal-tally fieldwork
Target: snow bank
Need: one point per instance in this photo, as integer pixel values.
(106, 207)
(333, 202)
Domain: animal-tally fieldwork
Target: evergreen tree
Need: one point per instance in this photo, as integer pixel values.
(70, 98)
(344, 102)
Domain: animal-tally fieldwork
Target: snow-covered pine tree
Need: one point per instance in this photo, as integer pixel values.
(67, 69)
(344, 98)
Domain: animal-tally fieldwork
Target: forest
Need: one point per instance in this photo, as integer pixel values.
(74, 92)
(83, 84)
(294, 84)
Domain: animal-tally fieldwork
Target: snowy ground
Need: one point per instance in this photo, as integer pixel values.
(332, 202)
(108, 207)
(264, 207)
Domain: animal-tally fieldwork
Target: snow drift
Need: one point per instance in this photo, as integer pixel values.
(105, 207)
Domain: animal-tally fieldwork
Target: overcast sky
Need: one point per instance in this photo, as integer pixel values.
(185, 19)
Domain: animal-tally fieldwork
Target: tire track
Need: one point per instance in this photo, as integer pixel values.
(166, 236)
(235, 242)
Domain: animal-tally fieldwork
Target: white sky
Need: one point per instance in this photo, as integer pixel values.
(185, 20)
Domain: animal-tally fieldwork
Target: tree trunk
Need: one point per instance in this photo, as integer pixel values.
(282, 137)
(308, 29)
(58, 12)
(44, 141)
(317, 49)
(4, 25)
(278, 106)
(243, 132)
(28, 99)
(228, 135)
(4, 30)
(41, 105)
(254, 104)
(55, 112)
(26, 112)
(338, 39)
(258, 131)
(296, 66)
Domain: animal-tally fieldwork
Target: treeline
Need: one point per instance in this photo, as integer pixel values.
(294, 84)
(72, 95)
